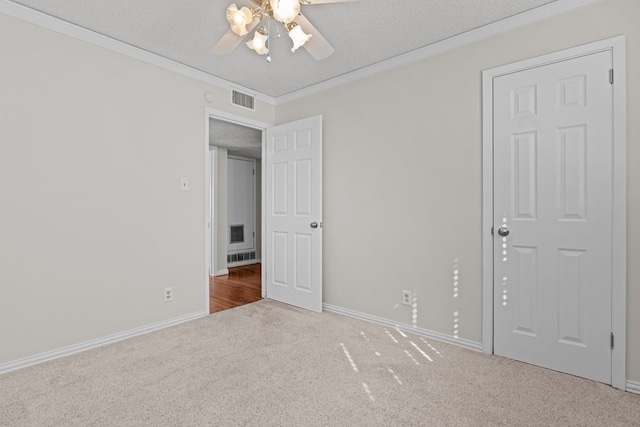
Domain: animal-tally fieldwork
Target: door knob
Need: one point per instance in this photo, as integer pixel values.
(503, 231)
(314, 224)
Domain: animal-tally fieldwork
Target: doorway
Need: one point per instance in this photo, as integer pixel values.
(233, 211)
(291, 214)
(554, 203)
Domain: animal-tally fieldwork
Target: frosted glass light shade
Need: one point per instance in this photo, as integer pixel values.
(299, 37)
(239, 19)
(285, 11)
(259, 43)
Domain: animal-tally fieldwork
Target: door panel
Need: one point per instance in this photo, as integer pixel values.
(552, 190)
(293, 204)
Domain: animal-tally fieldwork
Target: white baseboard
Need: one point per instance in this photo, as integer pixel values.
(241, 263)
(633, 387)
(471, 345)
(88, 345)
(222, 272)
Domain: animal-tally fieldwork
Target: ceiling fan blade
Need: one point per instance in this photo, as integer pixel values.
(231, 40)
(328, 1)
(318, 46)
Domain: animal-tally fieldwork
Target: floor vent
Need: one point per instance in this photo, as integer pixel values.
(243, 100)
(243, 256)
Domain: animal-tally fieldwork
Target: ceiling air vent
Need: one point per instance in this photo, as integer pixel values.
(243, 100)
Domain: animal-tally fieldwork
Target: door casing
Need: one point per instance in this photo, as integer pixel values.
(211, 113)
(618, 280)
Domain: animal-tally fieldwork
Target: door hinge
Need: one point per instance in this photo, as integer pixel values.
(492, 231)
(611, 76)
(611, 340)
(254, 172)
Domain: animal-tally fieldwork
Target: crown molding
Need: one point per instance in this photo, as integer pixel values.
(538, 14)
(24, 13)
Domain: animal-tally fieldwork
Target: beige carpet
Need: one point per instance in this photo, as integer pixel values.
(268, 364)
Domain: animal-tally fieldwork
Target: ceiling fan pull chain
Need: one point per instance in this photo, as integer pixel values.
(268, 41)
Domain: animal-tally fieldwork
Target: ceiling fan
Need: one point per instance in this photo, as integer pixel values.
(268, 15)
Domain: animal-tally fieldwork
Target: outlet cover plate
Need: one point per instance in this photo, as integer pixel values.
(168, 294)
(406, 297)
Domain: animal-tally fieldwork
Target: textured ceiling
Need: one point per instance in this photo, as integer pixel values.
(240, 140)
(362, 32)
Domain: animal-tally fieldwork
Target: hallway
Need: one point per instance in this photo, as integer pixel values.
(243, 285)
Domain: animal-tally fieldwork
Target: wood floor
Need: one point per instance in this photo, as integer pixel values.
(241, 286)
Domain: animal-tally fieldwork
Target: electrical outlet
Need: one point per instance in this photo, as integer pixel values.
(406, 297)
(168, 294)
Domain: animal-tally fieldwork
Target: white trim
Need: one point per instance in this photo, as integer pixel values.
(633, 387)
(63, 27)
(222, 272)
(487, 213)
(212, 113)
(209, 253)
(471, 345)
(243, 263)
(213, 204)
(263, 228)
(538, 14)
(618, 281)
(619, 229)
(91, 344)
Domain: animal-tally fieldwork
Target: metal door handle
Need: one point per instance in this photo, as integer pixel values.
(314, 224)
(503, 231)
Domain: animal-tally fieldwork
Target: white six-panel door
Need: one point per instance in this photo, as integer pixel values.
(293, 173)
(553, 194)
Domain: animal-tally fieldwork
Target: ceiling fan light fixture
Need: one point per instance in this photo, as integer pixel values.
(263, 15)
(298, 36)
(259, 42)
(239, 19)
(285, 11)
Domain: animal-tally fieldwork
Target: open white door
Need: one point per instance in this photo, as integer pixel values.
(293, 172)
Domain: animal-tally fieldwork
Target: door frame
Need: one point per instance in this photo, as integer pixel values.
(212, 113)
(616, 45)
(212, 204)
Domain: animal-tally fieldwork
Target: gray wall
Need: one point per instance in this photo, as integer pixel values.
(403, 175)
(93, 226)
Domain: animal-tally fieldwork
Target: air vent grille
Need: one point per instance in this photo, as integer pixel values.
(245, 256)
(236, 234)
(243, 100)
